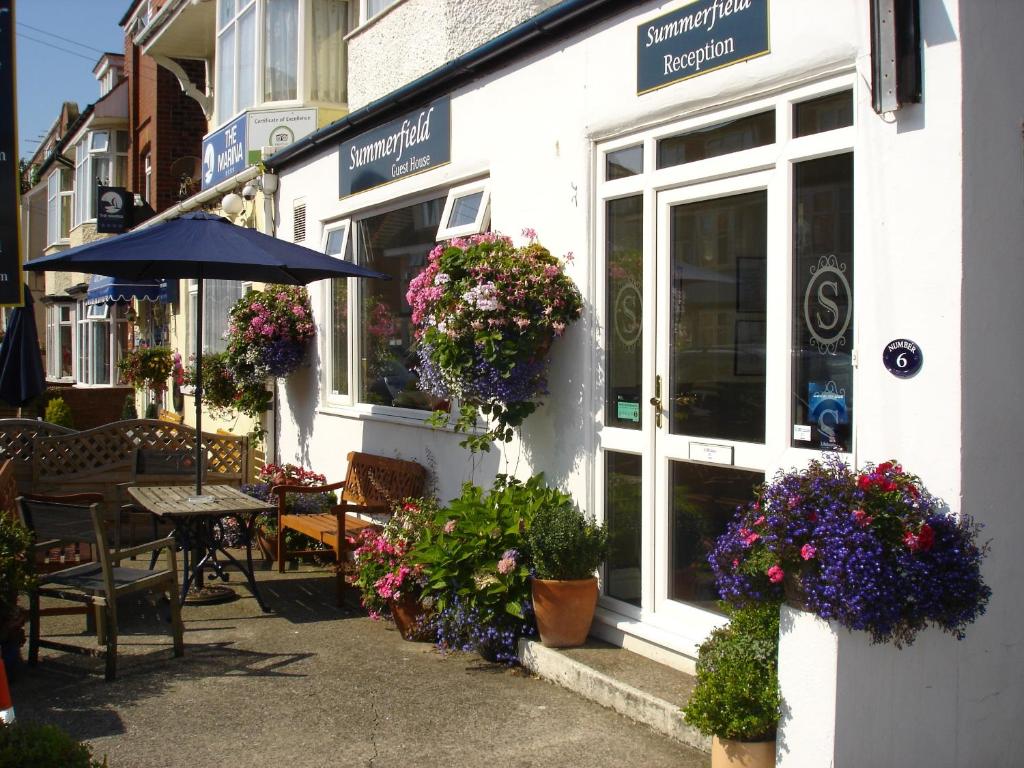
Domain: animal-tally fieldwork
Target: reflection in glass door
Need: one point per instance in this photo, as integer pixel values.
(710, 360)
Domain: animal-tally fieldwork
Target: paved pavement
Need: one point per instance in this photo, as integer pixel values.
(311, 685)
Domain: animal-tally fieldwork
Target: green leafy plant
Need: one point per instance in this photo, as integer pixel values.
(15, 575)
(223, 392)
(737, 693)
(43, 746)
(268, 333)
(58, 412)
(147, 368)
(128, 410)
(565, 543)
(474, 551)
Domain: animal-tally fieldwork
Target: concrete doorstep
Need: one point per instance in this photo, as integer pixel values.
(611, 691)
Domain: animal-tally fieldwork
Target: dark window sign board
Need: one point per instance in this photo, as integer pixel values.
(113, 210)
(698, 38)
(10, 184)
(413, 143)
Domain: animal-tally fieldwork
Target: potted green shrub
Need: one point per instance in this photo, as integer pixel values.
(566, 546)
(59, 412)
(736, 699)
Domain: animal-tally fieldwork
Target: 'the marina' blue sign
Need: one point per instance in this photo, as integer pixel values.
(700, 37)
(411, 144)
(224, 153)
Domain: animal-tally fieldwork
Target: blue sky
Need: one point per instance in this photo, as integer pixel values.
(58, 44)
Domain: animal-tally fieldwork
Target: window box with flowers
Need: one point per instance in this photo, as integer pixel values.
(485, 313)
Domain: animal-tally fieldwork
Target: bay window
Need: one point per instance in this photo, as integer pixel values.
(59, 198)
(266, 56)
(101, 158)
(102, 339)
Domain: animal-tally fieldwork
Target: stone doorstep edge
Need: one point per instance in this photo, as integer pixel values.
(663, 716)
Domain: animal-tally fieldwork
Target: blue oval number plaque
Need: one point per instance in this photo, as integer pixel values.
(902, 358)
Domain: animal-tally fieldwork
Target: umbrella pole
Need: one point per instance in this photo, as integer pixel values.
(199, 387)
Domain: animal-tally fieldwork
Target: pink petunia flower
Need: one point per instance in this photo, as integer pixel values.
(775, 574)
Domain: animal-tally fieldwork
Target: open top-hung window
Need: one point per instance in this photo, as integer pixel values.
(467, 211)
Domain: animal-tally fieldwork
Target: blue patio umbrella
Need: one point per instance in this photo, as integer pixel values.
(21, 366)
(201, 246)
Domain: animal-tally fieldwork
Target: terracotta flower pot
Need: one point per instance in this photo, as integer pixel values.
(726, 753)
(408, 613)
(564, 610)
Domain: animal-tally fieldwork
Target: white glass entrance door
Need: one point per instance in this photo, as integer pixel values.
(711, 398)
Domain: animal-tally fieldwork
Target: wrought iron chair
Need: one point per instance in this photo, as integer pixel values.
(97, 585)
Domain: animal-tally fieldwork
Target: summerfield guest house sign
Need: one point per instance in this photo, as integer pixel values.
(10, 184)
(698, 38)
(411, 144)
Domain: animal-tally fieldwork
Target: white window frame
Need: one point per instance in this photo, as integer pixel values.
(54, 323)
(483, 214)
(331, 394)
(364, 10)
(82, 344)
(147, 178)
(86, 158)
(55, 196)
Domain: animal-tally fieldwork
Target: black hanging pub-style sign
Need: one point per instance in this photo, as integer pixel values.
(113, 210)
(10, 183)
(698, 38)
(413, 143)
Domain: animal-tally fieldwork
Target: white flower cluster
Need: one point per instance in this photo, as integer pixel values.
(484, 297)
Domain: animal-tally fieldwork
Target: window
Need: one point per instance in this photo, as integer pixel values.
(59, 350)
(624, 162)
(715, 140)
(336, 244)
(219, 296)
(328, 64)
(373, 7)
(236, 56)
(59, 199)
(101, 158)
(467, 211)
(368, 349)
(147, 179)
(826, 113)
(281, 56)
(102, 339)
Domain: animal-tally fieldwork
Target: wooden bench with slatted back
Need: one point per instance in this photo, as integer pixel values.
(372, 487)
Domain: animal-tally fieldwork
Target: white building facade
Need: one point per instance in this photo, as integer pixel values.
(749, 235)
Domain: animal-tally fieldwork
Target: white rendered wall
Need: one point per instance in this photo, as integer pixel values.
(938, 191)
(990, 679)
(416, 36)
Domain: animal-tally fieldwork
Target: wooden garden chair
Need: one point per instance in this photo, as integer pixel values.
(97, 585)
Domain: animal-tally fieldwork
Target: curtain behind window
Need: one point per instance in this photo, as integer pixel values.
(328, 70)
(218, 298)
(282, 35)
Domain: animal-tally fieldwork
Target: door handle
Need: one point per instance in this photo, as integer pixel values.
(656, 401)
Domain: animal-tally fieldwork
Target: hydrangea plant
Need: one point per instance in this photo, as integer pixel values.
(485, 313)
(872, 550)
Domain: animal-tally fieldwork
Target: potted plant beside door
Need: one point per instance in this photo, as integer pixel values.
(736, 699)
(566, 546)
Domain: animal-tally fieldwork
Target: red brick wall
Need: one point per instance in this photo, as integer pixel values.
(165, 123)
(93, 406)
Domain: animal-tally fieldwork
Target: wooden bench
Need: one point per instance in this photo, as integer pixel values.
(367, 496)
(170, 416)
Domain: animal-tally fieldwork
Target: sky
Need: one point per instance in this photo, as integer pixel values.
(58, 43)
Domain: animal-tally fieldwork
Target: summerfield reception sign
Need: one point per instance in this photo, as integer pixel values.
(698, 38)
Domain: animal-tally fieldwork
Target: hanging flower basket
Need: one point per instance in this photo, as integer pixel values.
(147, 368)
(485, 313)
(268, 333)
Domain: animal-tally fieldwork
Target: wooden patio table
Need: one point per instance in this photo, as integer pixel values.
(195, 521)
